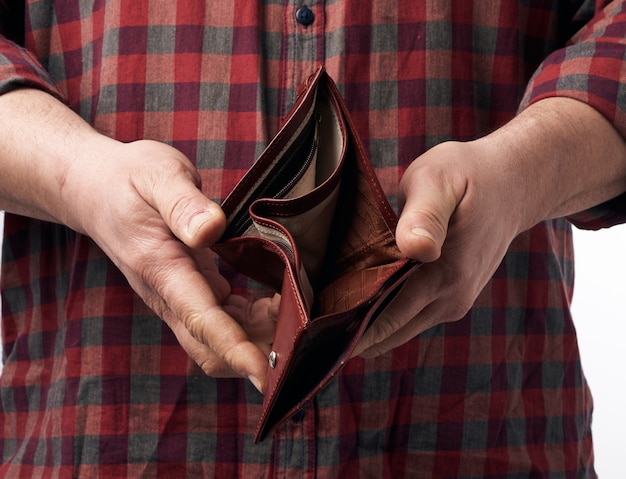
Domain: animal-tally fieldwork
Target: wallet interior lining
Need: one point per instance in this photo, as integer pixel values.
(280, 177)
(307, 210)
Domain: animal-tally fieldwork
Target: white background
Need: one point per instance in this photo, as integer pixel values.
(599, 315)
(599, 310)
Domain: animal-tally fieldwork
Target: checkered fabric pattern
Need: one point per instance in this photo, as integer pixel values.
(94, 385)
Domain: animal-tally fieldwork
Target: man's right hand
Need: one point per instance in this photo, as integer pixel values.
(141, 203)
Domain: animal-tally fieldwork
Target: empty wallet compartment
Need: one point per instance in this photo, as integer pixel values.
(310, 220)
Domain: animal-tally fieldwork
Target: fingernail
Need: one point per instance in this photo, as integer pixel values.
(256, 383)
(424, 233)
(198, 221)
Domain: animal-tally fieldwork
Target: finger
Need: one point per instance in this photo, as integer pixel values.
(412, 298)
(254, 317)
(191, 216)
(257, 318)
(180, 293)
(429, 202)
(429, 297)
(208, 323)
(377, 341)
(208, 361)
(206, 264)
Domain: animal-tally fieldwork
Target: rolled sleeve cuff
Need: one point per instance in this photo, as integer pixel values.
(593, 70)
(19, 68)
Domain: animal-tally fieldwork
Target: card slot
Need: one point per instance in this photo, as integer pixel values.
(353, 289)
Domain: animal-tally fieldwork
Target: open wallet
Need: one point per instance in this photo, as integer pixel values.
(310, 220)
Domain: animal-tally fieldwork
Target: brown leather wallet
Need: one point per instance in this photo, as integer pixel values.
(310, 220)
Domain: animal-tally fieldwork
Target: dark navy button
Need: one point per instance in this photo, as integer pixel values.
(298, 416)
(305, 16)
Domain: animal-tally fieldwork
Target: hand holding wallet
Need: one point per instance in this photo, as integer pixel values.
(311, 221)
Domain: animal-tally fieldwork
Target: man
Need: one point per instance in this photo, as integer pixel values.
(473, 371)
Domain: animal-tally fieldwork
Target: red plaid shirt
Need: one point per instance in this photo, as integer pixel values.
(94, 385)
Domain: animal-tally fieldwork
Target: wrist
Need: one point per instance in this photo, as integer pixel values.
(559, 157)
(42, 143)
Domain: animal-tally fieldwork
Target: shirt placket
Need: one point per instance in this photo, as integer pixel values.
(303, 46)
(302, 53)
(295, 445)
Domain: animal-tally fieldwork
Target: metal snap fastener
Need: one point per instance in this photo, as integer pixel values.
(272, 359)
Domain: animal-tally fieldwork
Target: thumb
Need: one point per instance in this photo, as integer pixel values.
(173, 190)
(200, 222)
(429, 203)
(192, 217)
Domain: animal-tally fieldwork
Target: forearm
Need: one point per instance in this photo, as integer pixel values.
(562, 155)
(41, 140)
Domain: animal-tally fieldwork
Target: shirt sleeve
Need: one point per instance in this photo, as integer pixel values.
(19, 68)
(592, 69)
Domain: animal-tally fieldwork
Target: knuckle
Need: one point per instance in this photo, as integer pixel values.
(148, 267)
(458, 296)
(179, 209)
(233, 354)
(212, 366)
(384, 328)
(459, 309)
(373, 352)
(194, 322)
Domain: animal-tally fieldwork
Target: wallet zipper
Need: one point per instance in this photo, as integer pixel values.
(307, 162)
(240, 224)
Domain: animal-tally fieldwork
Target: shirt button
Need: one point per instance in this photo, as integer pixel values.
(298, 416)
(305, 16)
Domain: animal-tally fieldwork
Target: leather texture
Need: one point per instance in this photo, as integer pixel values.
(311, 221)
